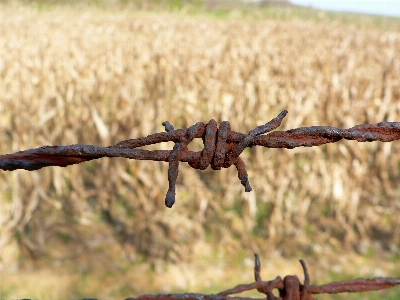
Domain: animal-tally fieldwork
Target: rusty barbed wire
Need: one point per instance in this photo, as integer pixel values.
(289, 288)
(222, 147)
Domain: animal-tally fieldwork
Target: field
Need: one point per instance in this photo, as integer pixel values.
(96, 75)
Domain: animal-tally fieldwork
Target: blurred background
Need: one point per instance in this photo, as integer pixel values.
(373, 7)
(98, 72)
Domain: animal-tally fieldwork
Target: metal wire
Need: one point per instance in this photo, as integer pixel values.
(222, 147)
(289, 288)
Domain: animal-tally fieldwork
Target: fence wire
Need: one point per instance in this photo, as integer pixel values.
(222, 147)
(288, 288)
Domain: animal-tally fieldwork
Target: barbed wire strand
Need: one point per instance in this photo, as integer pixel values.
(222, 147)
(289, 288)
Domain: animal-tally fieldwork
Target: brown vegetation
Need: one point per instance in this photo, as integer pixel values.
(94, 77)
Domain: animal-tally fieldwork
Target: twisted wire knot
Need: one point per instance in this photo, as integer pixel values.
(217, 152)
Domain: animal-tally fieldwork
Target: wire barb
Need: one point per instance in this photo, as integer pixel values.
(222, 147)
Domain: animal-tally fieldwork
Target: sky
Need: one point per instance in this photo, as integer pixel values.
(375, 7)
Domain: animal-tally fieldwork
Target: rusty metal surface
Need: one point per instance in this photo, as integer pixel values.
(289, 288)
(222, 147)
(354, 286)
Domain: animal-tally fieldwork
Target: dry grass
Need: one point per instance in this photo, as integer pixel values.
(90, 76)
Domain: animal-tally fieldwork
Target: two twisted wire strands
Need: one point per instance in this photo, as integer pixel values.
(222, 147)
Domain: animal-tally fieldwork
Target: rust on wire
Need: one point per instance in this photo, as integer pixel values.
(222, 147)
(289, 288)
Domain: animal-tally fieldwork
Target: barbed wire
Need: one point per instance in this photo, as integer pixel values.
(289, 288)
(222, 147)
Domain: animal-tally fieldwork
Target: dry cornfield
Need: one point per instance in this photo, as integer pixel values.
(97, 77)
